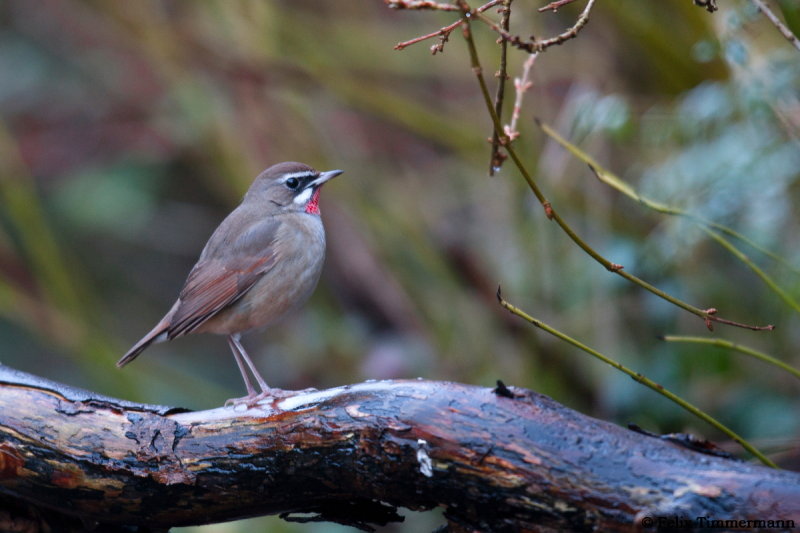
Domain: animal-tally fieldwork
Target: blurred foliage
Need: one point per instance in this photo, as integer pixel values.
(129, 129)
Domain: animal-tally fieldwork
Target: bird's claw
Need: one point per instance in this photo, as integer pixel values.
(250, 401)
(272, 395)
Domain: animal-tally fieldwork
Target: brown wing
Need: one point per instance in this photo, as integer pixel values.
(223, 275)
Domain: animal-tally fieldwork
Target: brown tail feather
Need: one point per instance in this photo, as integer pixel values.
(158, 334)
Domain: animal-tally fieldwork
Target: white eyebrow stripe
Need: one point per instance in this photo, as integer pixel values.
(303, 174)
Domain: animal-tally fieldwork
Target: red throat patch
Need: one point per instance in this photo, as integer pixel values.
(312, 207)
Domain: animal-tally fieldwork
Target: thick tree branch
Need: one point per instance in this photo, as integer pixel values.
(497, 460)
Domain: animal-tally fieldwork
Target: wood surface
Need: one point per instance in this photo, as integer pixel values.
(503, 459)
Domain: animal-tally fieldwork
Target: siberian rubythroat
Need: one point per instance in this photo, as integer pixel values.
(261, 263)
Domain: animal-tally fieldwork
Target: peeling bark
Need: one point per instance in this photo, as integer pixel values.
(506, 459)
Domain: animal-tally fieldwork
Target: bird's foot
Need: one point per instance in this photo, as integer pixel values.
(269, 395)
(249, 401)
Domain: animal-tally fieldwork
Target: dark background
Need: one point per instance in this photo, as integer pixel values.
(128, 130)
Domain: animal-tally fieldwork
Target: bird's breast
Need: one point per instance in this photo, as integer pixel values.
(299, 249)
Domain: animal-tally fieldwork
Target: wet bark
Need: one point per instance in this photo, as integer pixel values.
(496, 460)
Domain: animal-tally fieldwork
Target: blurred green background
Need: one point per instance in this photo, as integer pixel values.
(128, 130)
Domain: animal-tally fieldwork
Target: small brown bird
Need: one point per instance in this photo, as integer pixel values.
(261, 263)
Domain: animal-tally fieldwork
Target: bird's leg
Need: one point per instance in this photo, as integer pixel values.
(243, 359)
(235, 338)
(251, 391)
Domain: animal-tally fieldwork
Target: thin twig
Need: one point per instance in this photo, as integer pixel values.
(497, 157)
(713, 229)
(535, 45)
(521, 86)
(625, 188)
(421, 4)
(583, 19)
(708, 315)
(444, 32)
(785, 31)
(723, 343)
(639, 378)
(741, 256)
(555, 5)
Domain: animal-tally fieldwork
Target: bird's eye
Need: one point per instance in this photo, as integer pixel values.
(292, 183)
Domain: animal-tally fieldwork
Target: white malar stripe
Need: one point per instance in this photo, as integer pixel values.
(303, 197)
(303, 174)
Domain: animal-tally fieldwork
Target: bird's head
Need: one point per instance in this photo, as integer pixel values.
(290, 186)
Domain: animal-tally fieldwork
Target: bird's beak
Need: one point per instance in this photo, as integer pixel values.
(323, 177)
